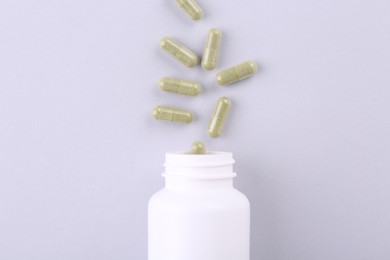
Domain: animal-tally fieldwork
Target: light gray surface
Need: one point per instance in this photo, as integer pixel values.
(80, 155)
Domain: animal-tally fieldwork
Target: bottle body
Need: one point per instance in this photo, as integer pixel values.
(196, 219)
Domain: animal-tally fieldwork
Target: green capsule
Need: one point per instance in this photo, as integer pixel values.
(179, 52)
(211, 49)
(180, 86)
(191, 8)
(219, 116)
(198, 147)
(172, 114)
(236, 73)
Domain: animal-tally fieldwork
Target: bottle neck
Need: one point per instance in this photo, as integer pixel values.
(177, 183)
(213, 170)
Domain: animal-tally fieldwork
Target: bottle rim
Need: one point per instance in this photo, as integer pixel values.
(209, 159)
(211, 165)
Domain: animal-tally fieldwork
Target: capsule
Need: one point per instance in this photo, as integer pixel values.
(180, 86)
(198, 147)
(211, 49)
(219, 116)
(179, 52)
(172, 114)
(236, 73)
(191, 8)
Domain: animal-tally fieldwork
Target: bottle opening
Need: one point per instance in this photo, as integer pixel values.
(211, 165)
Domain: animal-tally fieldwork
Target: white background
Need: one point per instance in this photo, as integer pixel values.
(80, 155)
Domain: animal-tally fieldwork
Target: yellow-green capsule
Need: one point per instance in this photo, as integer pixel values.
(191, 8)
(179, 52)
(211, 49)
(198, 147)
(236, 73)
(172, 114)
(219, 116)
(180, 86)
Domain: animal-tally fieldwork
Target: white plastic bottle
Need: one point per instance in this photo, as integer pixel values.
(198, 215)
